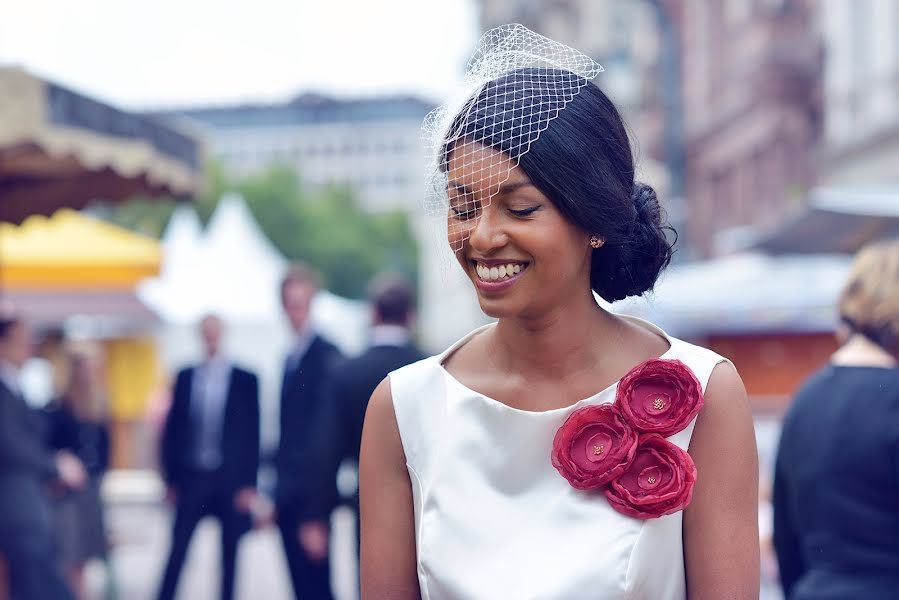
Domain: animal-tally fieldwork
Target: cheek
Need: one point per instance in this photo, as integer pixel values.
(568, 256)
(457, 234)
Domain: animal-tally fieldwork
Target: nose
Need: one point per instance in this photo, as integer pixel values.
(488, 232)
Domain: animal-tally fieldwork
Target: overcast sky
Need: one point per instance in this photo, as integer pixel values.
(167, 53)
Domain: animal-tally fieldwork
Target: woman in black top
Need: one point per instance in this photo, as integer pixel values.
(76, 423)
(836, 482)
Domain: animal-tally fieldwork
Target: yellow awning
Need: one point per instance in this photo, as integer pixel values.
(73, 251)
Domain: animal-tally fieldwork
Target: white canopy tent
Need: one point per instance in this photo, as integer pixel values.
(232, 270)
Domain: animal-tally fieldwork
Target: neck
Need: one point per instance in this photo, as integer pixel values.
(859, 351)
(555, 344)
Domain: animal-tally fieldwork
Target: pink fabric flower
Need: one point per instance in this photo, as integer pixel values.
(593, 446)
(659, 396)
(658, 482)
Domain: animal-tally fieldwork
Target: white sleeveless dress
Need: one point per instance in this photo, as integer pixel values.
(494, 520)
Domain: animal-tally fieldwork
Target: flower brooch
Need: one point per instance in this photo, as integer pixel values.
(621, 447)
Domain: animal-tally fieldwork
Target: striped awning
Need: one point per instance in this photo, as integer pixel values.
(59, 148)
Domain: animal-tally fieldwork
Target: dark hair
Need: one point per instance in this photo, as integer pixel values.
(582, 162)
(9, 318)
(6, 324)
(393, 298)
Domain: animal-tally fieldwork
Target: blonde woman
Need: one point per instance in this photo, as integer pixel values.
(836, 485)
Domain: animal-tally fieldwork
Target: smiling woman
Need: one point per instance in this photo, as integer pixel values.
(564, 451)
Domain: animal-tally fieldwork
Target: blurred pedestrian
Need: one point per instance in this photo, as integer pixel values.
(836, 481)
(210, 455)
(299, 489)
(352, 381)
(77, 423)
(27, 464)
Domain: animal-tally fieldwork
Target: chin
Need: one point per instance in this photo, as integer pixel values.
(497, 308)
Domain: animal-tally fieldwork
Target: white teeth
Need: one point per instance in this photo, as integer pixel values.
(502, 271)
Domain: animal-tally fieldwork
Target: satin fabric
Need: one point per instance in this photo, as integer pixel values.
(495, 520)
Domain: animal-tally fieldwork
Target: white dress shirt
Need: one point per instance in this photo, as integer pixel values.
(208, 395)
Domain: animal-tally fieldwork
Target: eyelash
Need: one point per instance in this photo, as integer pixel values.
(464, 215)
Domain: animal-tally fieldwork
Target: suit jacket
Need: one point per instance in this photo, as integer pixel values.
(302, 398)
(26, 463)
(349, 390)
(240, 431)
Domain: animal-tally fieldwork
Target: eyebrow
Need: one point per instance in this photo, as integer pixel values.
(506, 188)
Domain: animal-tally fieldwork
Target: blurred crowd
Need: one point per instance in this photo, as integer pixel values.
(209, 456)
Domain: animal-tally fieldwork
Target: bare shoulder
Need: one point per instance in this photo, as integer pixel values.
(725, 383)
(380, 415)
(387, 523)
(381, 433)
(725, 422)
(381, 402)
(721, 524)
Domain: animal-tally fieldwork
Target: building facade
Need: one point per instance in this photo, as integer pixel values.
(371, 145)
(861, 94)
(752, 97)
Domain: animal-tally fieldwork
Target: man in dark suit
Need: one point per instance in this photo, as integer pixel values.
(298, 489)
(353, 381)
(27, 537)
(210, 455)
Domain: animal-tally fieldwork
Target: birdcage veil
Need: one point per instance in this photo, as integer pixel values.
(516, 83)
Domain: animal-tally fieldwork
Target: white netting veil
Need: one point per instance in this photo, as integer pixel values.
(516, 83)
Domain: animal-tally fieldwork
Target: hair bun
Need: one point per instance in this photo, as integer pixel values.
(631, 266)
(646, 203)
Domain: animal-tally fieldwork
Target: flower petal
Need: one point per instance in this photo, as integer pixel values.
(669, 493)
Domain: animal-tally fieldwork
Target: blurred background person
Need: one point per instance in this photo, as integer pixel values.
(299, 490)
(835, 489)
(27, 538)
(210, 455)
(392, 300)
(77, 423)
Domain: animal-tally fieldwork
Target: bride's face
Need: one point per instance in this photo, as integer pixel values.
(523, 257)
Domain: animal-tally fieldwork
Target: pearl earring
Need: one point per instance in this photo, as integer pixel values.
(596, 242)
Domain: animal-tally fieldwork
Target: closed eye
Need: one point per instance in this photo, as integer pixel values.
(465, 212)
(463, 204)
(524, 211)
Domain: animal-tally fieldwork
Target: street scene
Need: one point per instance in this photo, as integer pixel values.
(234, 238)
(140, 530)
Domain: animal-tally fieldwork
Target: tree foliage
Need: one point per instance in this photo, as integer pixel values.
(325, 229)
